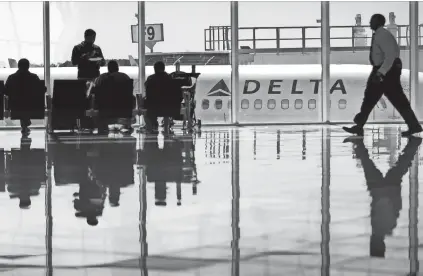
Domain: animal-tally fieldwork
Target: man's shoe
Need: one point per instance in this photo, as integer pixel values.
(354, 130)
(412, 131)
(353, 139)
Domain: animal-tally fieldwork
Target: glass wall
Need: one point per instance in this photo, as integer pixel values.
(280, 56)
(350, 45)
(21, 37)
(196, 33)
(280, 72)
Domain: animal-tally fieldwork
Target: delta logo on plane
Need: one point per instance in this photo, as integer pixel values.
(219, 90)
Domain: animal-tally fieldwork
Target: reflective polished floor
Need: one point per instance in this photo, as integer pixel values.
(282, 200)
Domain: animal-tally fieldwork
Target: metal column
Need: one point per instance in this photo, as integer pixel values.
(325, 227)
(141, 47)
(234, 62)
(325, 39)
(48, 208)
(236, 231)
(46, 45)
(413, 215)
(414, 56)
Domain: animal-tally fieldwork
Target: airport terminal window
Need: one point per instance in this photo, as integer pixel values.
(285, 104)
(218, 104)
(342, 104)
(258, 104)
(271, 104)
(312, 104)
(298, 104)
(205, 104)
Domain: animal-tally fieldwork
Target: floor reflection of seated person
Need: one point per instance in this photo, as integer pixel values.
(385, 192)
(115, 166)
(20, 88)
(103, 82)
(163, 97)
(164, 165)
(27, 173)
(69, 161)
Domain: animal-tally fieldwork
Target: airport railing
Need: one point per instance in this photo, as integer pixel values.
(298, 39)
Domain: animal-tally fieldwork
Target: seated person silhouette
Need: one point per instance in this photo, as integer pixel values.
(385, 191)
(113, 78)
(163, 97)
(23, 89)
(27, 173)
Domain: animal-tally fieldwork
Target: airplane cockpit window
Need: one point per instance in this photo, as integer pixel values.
(271, 104)
(218, 104)
(258, 104)
(245, 104)
(298, 104)
(205, 104)
(342, 104)
(285, 104)
(312, 104)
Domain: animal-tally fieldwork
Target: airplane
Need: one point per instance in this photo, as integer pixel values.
(267, 93)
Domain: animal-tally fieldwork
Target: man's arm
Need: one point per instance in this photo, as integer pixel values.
(389, 47)
(7, 86)
(102, 62)
(77, 57)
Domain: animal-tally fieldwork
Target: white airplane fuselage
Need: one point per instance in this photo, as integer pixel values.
(267, 93)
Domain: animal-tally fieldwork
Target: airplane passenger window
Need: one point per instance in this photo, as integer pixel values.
(218, 104)
(205, 104)
(312, 104)
(342, 104)
(271, 104)
(285, 104)
(245, 104)
(298, 104)
(258, 104)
